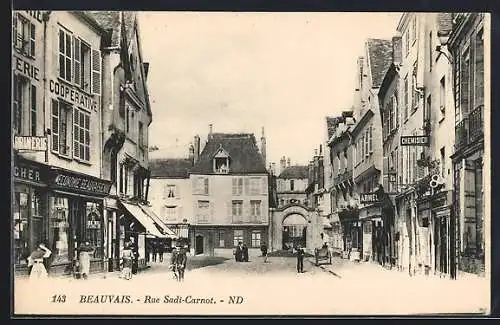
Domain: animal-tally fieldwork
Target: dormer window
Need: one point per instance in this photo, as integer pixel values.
(221, 161)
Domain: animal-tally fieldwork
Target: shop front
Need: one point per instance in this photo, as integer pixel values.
(370, 217)
(352, 234)
(423, 236)
(138, 226)
(75, 216)
(29, 202)
(442, 233)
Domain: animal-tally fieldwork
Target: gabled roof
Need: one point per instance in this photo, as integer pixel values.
(380, 56)
(295, 172)
(331, 124)
(170, 167)
(244, 155)
(110, 20)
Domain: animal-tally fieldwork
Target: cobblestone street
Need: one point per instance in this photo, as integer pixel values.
(266, 288)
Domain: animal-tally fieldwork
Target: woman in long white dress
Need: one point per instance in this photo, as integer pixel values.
(36, 258)
(127, 260)
(85, 253)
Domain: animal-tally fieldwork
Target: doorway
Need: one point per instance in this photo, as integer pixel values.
(294, 231)
(198, 245)
(441, 245)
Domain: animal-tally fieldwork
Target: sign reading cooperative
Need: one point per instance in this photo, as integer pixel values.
(82, 183)
(72, 95)
(367, 198)
(30, 143)
(414, 140)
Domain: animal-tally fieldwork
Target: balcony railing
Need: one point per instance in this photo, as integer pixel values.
(469, 129)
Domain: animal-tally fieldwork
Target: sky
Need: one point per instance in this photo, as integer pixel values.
(243, 71)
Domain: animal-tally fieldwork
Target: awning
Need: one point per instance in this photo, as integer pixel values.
(157, 220)
(153, 228)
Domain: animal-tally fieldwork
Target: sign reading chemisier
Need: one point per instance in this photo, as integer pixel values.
(72, 94)
(80, 183)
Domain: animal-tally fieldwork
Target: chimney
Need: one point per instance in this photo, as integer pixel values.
(273, 168)
(282, 164)
(288, 162)
(210, 130)
(196, 153)
(396, 50)
(263, 145)
(191, 152)
(321, 150)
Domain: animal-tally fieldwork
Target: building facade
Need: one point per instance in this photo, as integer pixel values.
(170, 195)
(376, 223)
(57, 112)
(126, 116)
(468, 56)
(229, 183)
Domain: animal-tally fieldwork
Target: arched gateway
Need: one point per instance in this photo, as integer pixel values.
(295, 224)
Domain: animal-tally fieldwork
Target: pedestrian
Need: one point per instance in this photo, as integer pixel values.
(300, 259)
(161, 251)
(135, 255)
(238, 252)
(36, 262)
(245, 253)
(173, 261)
(84, 252)
(127, 262)
(181, 261)
(263, 249)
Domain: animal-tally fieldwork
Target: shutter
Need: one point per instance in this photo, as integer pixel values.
(77, 61)
(235, 186)
(371, 138)
(247, 186)
(246, 211)
(229, 211)
(194, 184)
(263, 210)
(96, 72)
(264, 186)
(211, 211)
(32, 39)
(386, 166)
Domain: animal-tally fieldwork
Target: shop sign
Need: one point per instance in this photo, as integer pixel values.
(72, 95)
(27, 172)
(367, 198)
(414, 140)
(25, 68)
(30, 143)
(81, 183)
(93, 224)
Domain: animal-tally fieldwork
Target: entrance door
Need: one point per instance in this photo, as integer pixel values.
(294, 231)
(198, 245)
(443, 245)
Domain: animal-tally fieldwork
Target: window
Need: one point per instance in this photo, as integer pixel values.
(237, 237)
(81, 135)
(255, 186)
(479, 69)
(170, 191)
(431, 50)
(292, 185)
(141, 135)
(65, 56)
(221, 165)
(237, 186)
(255, 238)
(203, 211)
(442, 97)
(200, 185)
(93, 231)
(255, 209)
(61, 117)
(170, 213)
(205, 186)
(127, 117)
(362, 147)
(221, 238)
(237, 210)
(414, 29)
(86, 73)
(405, 103)
(367, 142)
(465, 83)
(407, 42)
(59, 228)
(121, 178)
(414, 93)
(370, 130)
(17, 102)
(443, 162)
(33, 110)
(24, 35)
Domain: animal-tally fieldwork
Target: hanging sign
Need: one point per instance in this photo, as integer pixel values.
(30, 143)
(414, 140)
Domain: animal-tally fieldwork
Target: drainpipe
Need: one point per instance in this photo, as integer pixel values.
(45, 130)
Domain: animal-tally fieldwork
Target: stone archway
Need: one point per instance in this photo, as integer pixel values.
(295, 224)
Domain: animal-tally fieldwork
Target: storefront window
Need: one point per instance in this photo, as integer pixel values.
(21, 230)
(94, 227)
(59, 227)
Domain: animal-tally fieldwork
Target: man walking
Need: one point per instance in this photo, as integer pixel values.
(263, 249)
(300, 259)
